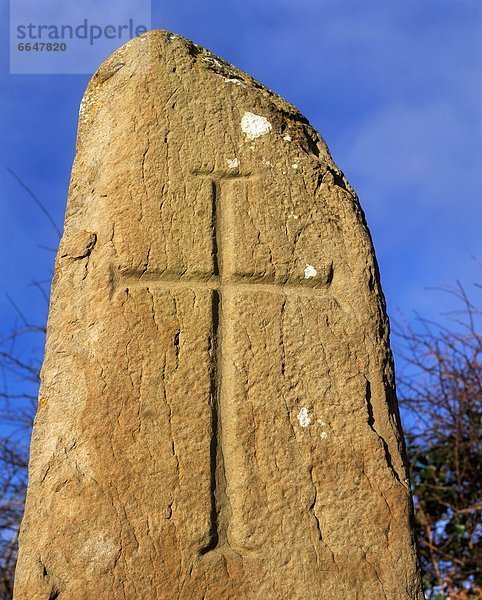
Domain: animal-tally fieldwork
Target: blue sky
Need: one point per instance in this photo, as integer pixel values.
(395, 88)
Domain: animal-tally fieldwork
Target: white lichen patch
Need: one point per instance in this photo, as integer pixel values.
(233, 163)
(310, 271)
(322, 424)
(254, 126)
(82, 106)
(235, 81)
(295, 166)
(212, 61)
(287, 138)
(304, 417)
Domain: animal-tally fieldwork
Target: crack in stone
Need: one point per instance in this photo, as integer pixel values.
(371, 424)
(47, 575)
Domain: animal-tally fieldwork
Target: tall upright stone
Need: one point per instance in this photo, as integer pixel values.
(217, 417)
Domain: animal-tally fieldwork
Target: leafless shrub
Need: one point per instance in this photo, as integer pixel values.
(440, 391)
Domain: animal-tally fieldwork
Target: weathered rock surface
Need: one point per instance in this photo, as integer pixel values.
(217, 418)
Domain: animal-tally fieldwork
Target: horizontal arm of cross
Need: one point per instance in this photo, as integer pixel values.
(124, 280)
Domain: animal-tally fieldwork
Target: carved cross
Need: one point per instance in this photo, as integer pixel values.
(223, 281)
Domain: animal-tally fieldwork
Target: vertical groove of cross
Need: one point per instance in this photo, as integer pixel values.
(219, 501)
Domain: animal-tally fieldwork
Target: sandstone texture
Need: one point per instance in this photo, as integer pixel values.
(217, 418)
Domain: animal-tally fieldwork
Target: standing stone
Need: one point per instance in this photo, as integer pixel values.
(217, 418)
